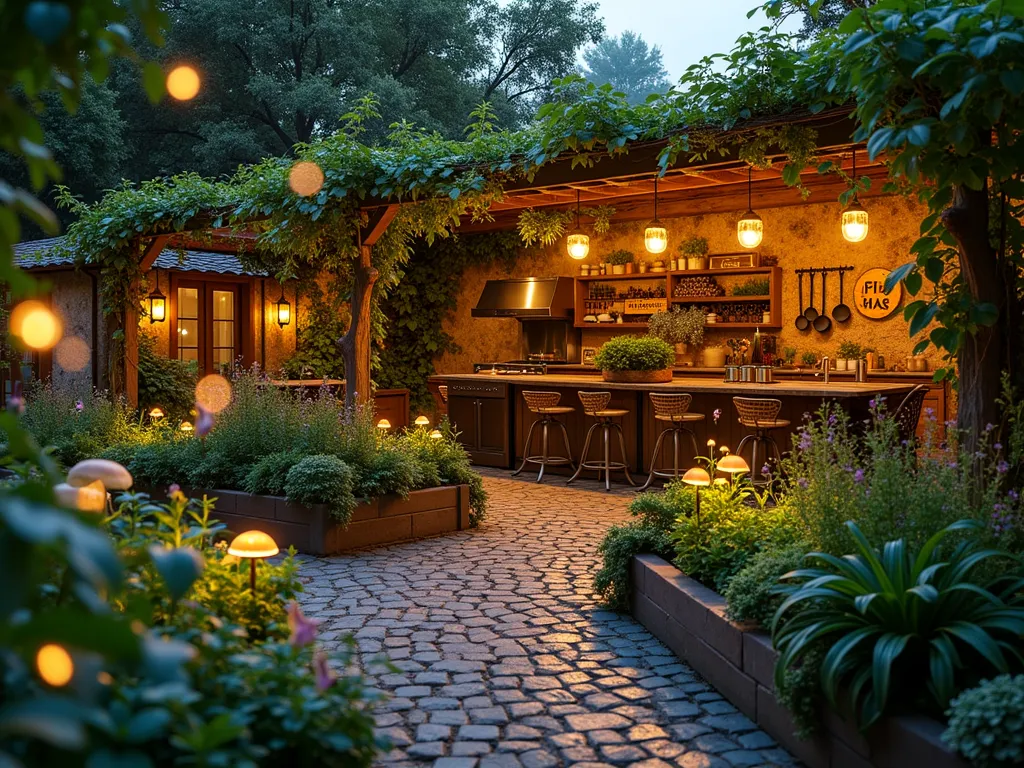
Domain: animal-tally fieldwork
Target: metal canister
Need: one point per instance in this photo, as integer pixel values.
(748, 373)
(732, 373)
(764, 374)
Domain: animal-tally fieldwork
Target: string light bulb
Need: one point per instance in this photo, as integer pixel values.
(855, 218)
(750, 228)
(578, 242)
(656, 236)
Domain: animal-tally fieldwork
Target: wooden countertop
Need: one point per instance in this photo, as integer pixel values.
(836, 389)
(683, 370)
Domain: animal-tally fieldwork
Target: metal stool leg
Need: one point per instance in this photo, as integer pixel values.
(526, 448)
(693, 439)
(568, 450)
(753, 459)
(583, 456)
(743, 443)
(654, 460)
(543, 448)
(607, 457)
(622, 448)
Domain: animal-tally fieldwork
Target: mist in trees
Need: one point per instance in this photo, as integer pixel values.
(629, 64)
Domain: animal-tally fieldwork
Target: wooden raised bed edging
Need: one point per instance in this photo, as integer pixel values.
(313, 531)
(740, 661)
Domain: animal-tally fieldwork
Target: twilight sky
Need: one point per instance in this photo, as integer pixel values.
(686, 30)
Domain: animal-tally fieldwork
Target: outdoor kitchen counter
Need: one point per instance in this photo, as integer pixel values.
(489, 413)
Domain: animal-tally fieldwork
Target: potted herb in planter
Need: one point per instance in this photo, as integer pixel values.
(682, 328)
(695, 250)
(848, 352)
(809, 359)
(620, 260)
(635, 359)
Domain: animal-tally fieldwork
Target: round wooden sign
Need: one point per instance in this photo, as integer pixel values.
(870, 298)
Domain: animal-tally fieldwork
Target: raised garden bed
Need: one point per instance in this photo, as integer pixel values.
(739, 661)
(313, 531)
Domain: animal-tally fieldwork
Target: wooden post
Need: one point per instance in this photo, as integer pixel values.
(130, 356)
(355, 344)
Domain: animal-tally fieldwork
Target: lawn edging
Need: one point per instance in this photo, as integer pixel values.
(739, 660)
(312, 530)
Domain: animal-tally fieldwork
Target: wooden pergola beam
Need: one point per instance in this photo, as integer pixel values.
(130, 358)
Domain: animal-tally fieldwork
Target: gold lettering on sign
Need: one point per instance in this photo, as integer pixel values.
(870, 297)
(644, 306)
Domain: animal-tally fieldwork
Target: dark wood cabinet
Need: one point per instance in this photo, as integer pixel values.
(480, 413)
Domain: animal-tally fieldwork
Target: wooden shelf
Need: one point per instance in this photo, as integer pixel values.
(716, 299)
(746, 326)
(634, 276)
(735, 271)
(612, 325)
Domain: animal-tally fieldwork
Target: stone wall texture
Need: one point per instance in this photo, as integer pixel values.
(800, 236)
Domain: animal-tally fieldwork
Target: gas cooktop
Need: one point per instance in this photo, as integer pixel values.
(512, 367)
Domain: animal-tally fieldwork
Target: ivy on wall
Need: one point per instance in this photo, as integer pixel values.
(324, 321)
(424, 298)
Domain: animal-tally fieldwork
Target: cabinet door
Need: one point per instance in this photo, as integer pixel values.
(463, 414)
(493, 419)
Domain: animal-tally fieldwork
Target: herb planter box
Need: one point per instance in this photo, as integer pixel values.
(739, 661)
(638, 377)
(313, 531)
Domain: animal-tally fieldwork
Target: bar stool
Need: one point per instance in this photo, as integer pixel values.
(674, 409)
(596, 404)
(761, 415)
(545, 404)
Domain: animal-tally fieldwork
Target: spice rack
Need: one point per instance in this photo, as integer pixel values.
(669, 280)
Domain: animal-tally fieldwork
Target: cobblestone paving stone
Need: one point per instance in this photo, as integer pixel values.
(503, 656)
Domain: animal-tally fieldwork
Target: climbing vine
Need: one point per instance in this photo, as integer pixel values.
(547, 226)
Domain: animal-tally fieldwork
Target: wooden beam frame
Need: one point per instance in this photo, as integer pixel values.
(130, 324)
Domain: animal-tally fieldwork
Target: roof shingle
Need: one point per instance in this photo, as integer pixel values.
(40, 253)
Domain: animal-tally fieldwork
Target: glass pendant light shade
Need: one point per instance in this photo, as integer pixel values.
(656, 236)
(578, 244)
(750, 228)
(855, 218)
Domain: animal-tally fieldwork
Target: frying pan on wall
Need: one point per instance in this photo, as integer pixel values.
(810, 313)
(841, 313)
(802, 323)
(823, 322)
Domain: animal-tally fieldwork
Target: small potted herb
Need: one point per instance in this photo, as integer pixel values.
(809, 359)
(620, 260)
(789, 355)
(695, 250)
(635, 359)
(848, 352)
(682, 328)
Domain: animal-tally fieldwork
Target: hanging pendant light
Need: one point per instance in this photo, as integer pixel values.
(750, 229)
(578, 243)
(656, 236)
(157, 301)
(855, 218)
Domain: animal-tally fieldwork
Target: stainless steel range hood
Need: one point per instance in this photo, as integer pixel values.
(526, 297)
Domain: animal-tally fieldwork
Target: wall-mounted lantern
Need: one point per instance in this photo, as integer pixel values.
(157, 301)
(284, 310)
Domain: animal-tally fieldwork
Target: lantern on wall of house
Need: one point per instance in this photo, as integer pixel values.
(284, 310)
(157, 301)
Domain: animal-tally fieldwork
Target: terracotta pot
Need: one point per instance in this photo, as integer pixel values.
(629, 268)
(638, 377)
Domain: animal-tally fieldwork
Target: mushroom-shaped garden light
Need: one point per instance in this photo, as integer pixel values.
(733, 464)
(698, 478)
(253, 546)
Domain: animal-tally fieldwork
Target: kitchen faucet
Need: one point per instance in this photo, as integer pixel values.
(824, 367)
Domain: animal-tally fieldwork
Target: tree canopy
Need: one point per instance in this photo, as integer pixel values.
(627, 63)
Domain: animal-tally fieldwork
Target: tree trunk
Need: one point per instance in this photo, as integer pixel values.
(983, 355)
(355, 344)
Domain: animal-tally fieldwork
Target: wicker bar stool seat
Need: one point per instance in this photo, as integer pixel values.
(442, 390)
(545, 405)
(596, 404)
(675, 410)
(762, 416)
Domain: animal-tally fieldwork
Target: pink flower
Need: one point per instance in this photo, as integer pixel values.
(16, 404)
(204, 422)
(717, 414)
(303, 629)
(322, 672)
(79, 406)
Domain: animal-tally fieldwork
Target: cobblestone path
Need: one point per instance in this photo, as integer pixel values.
(504, 656)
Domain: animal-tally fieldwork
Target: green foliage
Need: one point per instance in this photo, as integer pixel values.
(392, 471)
(678, 326)
(714, 545)
(694, 246)
(634, 353)
(629, 64)
(620, 257)
(789, 354)
(752, 287)
(620, 545)
(267, 476)
(849, 350)
(809, 358)
(317, 354)
(751, 593)
(895, 616)
(322, 478)
(986, 723)
(165, 382)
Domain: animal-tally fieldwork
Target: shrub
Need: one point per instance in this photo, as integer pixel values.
(324, 479)
(164, 381)
(714, 546)
(986, 723)
(391, 471)
(618, 548)
(893, 618)
(635, 353)
(752, 593)
(267, 476)
(444, 462)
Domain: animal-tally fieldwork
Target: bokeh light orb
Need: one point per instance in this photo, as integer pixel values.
(183, 83)
(305, 178)
(36, 325)
(55, 665)
(213, 393)
(72, 353)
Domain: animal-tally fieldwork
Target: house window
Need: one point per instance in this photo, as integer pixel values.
(207, 326)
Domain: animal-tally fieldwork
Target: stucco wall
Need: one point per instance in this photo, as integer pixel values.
(800, 236)
(71, 300)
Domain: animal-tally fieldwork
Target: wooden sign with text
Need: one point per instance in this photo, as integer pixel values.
(870, 298)
(644, 306)
(734, 260)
